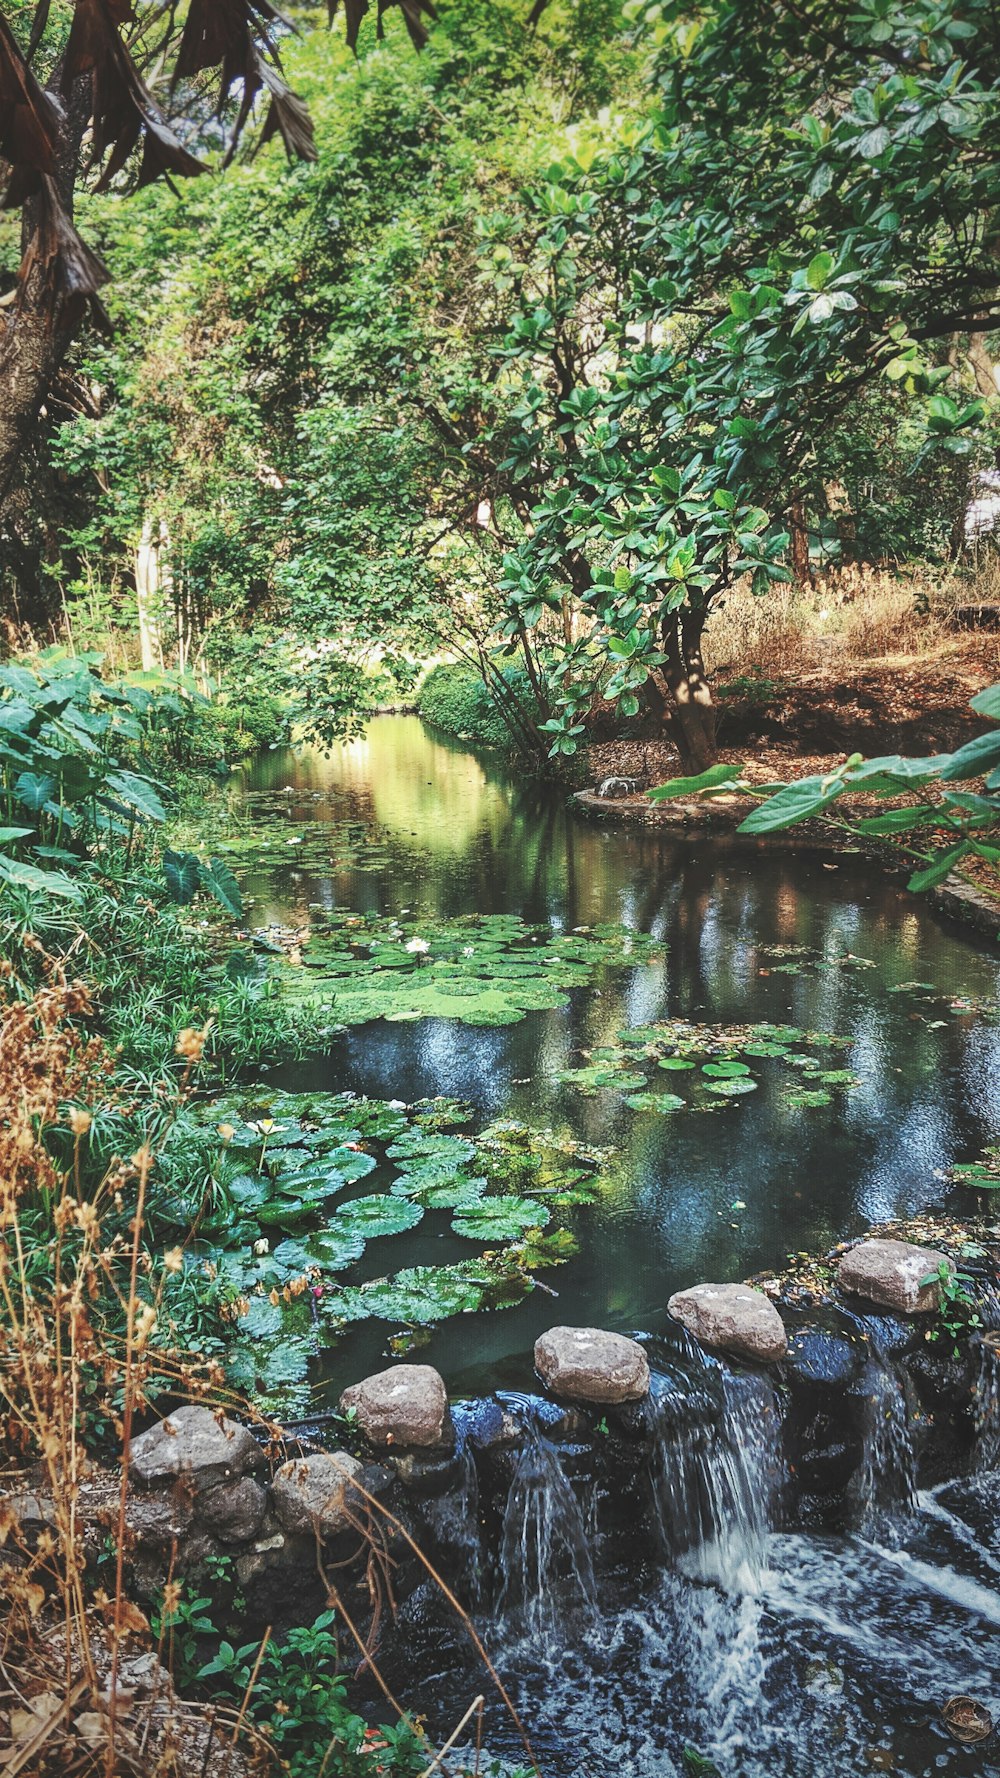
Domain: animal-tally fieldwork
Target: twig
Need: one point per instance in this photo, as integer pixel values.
(477, 1704)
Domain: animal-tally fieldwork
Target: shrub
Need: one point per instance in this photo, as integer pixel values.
(454, 697)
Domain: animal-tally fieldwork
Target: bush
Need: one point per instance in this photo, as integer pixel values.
(455, 698)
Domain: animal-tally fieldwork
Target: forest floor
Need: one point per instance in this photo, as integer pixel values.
(790, 728)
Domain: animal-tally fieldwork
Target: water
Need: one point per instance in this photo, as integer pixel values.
(771, 1651)
(415, 822)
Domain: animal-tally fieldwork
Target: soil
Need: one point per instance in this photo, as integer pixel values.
(897, 704)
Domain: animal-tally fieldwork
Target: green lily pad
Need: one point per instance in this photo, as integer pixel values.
(725, 1070)
(499, 1219)
(377, 1215)
(731, 1089)
(662, 1102)
(421, 1294)
(675, 1063)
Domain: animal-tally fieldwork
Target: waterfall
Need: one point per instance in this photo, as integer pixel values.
(987, 1405)
(715, 1482)
(887, 1482)
(546, 1563)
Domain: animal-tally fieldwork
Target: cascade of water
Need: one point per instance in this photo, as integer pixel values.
(548, 1571)
(454, 1521)
(887, 1484)
(715, 1481)
(987, 1405)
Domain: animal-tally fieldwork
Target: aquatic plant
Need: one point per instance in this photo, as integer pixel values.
(287, 1225)
(711, 1056)
(487, 969)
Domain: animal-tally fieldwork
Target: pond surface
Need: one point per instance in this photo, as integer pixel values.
(411, 821)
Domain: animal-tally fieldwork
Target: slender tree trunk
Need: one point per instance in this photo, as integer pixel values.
(838, 505)
(147, 581)
(799, 528)
(693, 714)
(32, 347)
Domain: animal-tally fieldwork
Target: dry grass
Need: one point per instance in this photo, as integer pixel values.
(849, 616)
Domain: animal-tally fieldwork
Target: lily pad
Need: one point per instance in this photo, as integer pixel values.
(377, 1215)
(730, 1089)
(499, 1219)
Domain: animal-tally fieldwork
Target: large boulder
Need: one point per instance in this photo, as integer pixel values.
(731, 1318)
(891, 1274)
(406, 1405)
(588, 1364)
(313, 1494)
(196, 1443)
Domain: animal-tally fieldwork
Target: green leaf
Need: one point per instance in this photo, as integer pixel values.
(182, 873)
(987, 702)
(796, 802)
(819, 270)
(9, 834)
(709, 780)
(43, 882)
(218, 879)
(34, 789)
(936, 872)
(972, 760)
(499, 1219)
(138, 793)
(377, 1215)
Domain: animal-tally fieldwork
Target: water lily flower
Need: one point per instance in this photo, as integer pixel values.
(418, 947)
(262, 1246)
(468, 950)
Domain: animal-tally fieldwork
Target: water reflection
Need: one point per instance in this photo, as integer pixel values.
(451, 833)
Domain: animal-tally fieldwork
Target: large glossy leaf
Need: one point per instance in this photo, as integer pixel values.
(797, 802)
(975, 758)
(218, 879)
(42, 882)
(987, 703)
(34, 789)
(138, 793)
(183, 875)
(935, 873)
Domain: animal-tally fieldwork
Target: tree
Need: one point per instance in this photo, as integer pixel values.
(810, 212)
(122, 100)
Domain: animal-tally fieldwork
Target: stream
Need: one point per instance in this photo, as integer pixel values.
(733, 1634)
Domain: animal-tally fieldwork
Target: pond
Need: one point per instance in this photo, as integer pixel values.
(770, 1648)
(407, 820)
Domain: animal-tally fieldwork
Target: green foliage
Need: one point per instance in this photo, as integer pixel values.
(957, 1317)
(278, 1255)
(959, 824)
(457, 699)
(487, 969)
(714, 1053)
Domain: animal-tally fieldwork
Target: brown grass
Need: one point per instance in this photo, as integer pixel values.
(847, 617)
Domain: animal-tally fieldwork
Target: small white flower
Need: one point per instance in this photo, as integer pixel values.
(418, 946)
(468, 950)
(262, 1246)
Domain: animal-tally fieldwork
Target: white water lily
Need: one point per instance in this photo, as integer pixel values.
(262, 1246)
(468, 950)
(418, 946)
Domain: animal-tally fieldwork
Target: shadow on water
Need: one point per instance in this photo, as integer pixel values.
(416, 822)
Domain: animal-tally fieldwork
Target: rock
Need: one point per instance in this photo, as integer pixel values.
(615, 787)
(235, 1511)
(826, 1360)
(588, 1364)
(891, 1273)
(731, 1318)
(428, 1475)
(159, 1518)
(194, 1442)
(405, 1405)
(311, 1494)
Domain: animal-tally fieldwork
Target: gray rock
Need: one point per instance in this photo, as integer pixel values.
(614, 787)
(588, 1364)
(235, 1511)
(194, 1442)
(731, 1318)
(159, 1518)
(405, 1405)
(891, 1273)
(311, 1495)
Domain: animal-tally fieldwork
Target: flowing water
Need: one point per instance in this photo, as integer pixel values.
(765, 1649)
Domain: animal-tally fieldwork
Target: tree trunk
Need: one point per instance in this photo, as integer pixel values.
(799, 528)
(693, 715)
(987, 374)
(147, 581)
(838, 505)
(32, 347)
